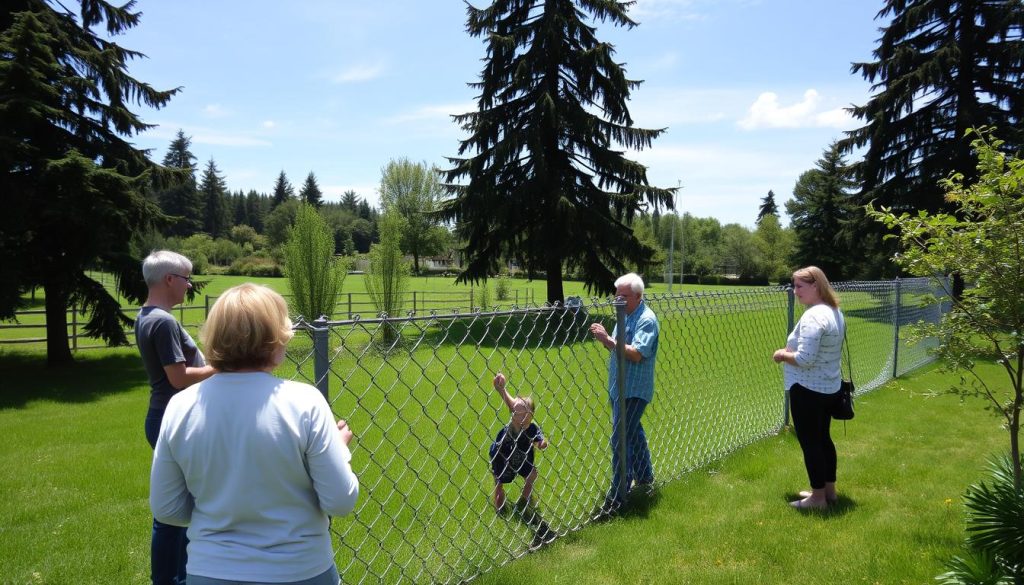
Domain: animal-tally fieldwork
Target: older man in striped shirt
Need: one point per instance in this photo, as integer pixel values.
(641, 337)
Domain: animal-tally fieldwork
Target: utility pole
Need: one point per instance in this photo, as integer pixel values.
(682, 238)
(671, 249)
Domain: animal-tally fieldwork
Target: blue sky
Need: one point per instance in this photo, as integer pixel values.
(751, 91)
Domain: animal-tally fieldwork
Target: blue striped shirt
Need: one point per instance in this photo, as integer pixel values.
(642, 334)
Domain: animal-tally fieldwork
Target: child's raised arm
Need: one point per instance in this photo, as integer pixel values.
(499, 385)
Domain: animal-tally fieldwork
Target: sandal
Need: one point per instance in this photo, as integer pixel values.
(808, 493)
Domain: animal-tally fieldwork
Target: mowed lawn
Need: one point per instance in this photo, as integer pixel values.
(74, 471)
(423, 417)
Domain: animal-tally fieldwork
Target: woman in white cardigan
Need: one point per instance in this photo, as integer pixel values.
(811, 373)
(254, 465)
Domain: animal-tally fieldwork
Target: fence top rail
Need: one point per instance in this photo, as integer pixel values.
(433, 315)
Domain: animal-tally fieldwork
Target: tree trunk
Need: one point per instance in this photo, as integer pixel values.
(58, 352)
(554, 268)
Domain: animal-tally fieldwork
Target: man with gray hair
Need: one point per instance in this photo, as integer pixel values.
(641, 348)
(173, 362)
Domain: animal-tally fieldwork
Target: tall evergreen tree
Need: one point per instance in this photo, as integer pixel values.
(180, 198)
(350, 201)
(545, 184)
(283, 191)
(941, 67)
(822, 205)
(768, 206)
(239, 210)
(71, 178)
(215, 209)
(179, 155)
(256, 209)
(310, 192)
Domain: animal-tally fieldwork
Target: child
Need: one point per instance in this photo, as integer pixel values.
(512, 450)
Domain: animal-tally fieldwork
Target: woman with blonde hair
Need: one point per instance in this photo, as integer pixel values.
(254, 465)
(811, 374)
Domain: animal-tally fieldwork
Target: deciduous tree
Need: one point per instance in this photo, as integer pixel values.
(414, 191)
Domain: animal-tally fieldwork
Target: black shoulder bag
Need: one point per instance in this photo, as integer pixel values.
(842, 406)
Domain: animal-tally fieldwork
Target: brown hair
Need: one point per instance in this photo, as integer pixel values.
(814, 275)
(247, 326)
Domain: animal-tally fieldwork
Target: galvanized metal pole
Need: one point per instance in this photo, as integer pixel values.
(321, 365)
(620, 382)
(896, 330)
(790, 320)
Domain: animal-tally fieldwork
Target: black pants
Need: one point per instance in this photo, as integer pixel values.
(812, 421)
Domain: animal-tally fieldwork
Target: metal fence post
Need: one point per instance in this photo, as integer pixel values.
(206, 302)
(620, 382)
(321, 365)
(349, 305)
(790, 320)
(896, 330)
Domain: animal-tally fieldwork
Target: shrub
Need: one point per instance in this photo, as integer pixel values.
(316, 276)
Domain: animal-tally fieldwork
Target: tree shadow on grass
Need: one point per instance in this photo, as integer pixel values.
(26, 377)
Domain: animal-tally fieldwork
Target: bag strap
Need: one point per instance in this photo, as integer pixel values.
(846, 348)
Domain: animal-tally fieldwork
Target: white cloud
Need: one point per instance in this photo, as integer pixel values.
(358, 73)
(837, 118)
(216, 111)
(268, 124)
(768, 112)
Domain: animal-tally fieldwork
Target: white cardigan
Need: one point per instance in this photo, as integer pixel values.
(253, 465)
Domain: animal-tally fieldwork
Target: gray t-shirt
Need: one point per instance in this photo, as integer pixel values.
(162, 341)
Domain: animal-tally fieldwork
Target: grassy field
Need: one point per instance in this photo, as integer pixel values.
(424, 415)
(431, 292)
(75, 468)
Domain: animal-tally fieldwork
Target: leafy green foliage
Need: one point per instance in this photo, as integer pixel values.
(387, 276)
(414, 190)
(984, 241)
(316, 277)
(995, 532)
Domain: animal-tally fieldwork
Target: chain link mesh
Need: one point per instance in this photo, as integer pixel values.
(417, 392)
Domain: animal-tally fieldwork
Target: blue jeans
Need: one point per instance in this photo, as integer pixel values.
(638, 456)
(167, 551)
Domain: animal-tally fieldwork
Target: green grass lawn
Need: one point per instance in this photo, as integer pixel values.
(75, 470)
(425, 415)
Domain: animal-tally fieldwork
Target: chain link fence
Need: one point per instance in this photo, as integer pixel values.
(417, 392)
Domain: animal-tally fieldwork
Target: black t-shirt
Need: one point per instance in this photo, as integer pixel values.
(516, 450)
(162, 341)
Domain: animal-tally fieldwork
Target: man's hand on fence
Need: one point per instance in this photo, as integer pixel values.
(499, 382)
(601, 335)
(346, 433)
